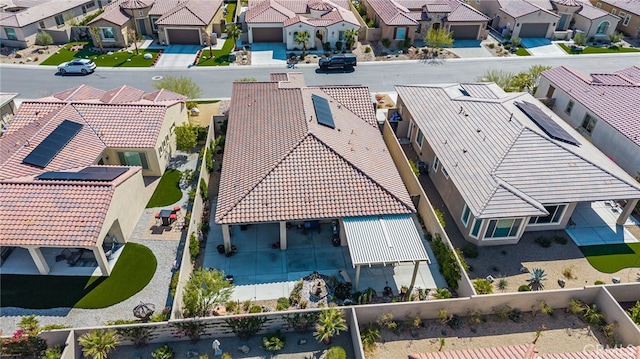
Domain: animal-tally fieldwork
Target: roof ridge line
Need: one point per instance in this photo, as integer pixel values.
(265, 175)
(88, 124)
(363, 173)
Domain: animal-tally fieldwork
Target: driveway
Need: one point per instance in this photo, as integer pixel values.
(177, 56)
(271, 53)
(469, 48)
(542, 47)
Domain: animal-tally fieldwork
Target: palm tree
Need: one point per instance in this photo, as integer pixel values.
(350, 36)
(233, 31)
(303, 39)
(96, 35)
(537, 277)
(98, 343)
(330, 324)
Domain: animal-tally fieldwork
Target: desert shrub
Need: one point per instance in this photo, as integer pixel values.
(560, 239)
(599, 282)
(255, 309)
(43, 39)
(273, 342)
(524, 288)
(482, 286)
(194, 246)
(544, 242)
(503, 312)
(440, 216)
(442, 293)
(503, 283)
(567, 272)
(492, 45)
(336, 352)
(455, 322)
(338, 45)
(367, 49)
(470, 250)
(326, 46)
(447, 261)
(515, 315)
(385, 42)
(231, 306)
(283, 303)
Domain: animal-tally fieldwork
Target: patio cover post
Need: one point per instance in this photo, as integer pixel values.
(357, 276)
(413, 278)
(226, 236)
(101, 258)
(38, 259)
(283, 236)
(626, 211)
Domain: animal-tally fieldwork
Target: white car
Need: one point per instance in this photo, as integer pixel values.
(77, 66)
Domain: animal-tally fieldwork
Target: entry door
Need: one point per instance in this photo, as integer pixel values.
(142, 29)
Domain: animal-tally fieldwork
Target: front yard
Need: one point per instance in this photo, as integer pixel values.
(596, 50)
(216, 57)
(116, 59)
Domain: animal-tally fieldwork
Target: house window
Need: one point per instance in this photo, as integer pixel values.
(626, 20)
(84, 10)
(140, 13)
(436, 164)
(401, 33)
(41, 24)
(419, 138)
(466, 213)
(445, 173)
(556, 211)
(613, 11)
(622, 14)
(503, 228)
(477, 1)
(153, 23)
(475, 230)
(107, 34)
(569, 107)
(133, 159)
(59, 20)
(603, 27)
(11, 33)
(588, 123)
(341, 35)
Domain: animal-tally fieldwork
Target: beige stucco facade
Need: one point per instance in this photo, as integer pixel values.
(121, 38)
(632, 28)
(591, 27)
(622, 150)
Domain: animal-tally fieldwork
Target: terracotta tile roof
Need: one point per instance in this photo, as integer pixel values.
(630, 6)
(113, 13)
(122, 94)
(80, 93)
(268, 11)
(160, 7)
(55, 213)
(302, 6)
(392, 13)
(523, 351)
(25, 133)
(614, 353)
(191, 13)
(136, 4)
(356, 98)
(464, 13)
(591, 12)
(163, 95)
(136, 126)
(517, 8)
(613, 100)
(282, 165)
(119, 95)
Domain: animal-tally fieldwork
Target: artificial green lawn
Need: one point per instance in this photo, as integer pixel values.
(521, 51)
(231, 11)
(118, 59)
(220, 57)
(133, 271)
(168, 190)
(597, 50)
(611, 258)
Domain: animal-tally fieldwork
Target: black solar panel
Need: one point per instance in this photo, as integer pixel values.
(100, 174)
(323, 111)
(546, 123)
(53, 144)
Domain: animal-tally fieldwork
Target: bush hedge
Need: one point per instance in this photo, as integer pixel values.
(447, 261)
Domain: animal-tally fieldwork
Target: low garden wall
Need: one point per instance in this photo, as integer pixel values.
(425, 209)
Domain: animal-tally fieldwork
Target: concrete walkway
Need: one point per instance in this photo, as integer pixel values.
(542, 47)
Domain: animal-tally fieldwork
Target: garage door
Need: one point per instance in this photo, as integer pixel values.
(183, 37)
(464, 32)
(267, 34)
(534, 30)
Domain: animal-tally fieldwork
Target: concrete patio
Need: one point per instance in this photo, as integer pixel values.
(262, 272)
(595, 224)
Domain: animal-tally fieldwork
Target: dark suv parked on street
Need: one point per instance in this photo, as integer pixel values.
(340, 61)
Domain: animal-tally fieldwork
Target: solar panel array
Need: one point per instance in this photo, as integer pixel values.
(546, 123)
(100, 174)
(53, 144)
(323, 111)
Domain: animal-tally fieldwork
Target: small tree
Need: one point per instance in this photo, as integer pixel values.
(186, 137)
(438, 38)
(350, 36)
(616, 37)
(133, 37)
(233, 32)
(43, 39)
(302, 38)
(98, 343)
(205, 289)
(96, 37)
(330, 324)
(580, 39)
(179, 84)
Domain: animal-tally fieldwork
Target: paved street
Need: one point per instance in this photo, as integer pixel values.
(39, 81)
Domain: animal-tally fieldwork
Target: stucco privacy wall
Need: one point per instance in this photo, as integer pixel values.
(194, 224)
(354, 331)
(626, 330)
(127, 202)
(425, 209)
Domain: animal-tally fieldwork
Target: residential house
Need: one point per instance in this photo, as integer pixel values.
(63, 180)
(411, 19)
(21, 20)
(281, 20)
(173, 21)
(627, 10)
(504, 163)
(300, 155)
(603, 107)
(547, 18)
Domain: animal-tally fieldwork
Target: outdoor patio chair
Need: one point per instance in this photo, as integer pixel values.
(71, 257)
(157, 217)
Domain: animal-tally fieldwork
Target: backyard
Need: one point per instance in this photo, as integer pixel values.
(116, 59)
(133, 271)
(168, 190)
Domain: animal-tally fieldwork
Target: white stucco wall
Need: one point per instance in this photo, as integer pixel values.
(290, 35)
(175, 116)
(590, 27)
